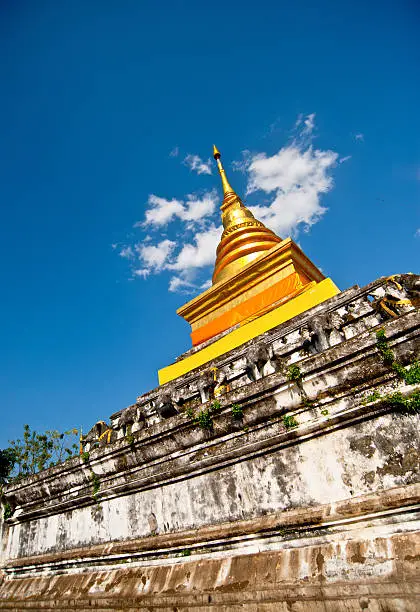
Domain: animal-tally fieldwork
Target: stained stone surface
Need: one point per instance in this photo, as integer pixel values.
(261, 512)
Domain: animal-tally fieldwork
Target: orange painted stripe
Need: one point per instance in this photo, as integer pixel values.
(254, 306)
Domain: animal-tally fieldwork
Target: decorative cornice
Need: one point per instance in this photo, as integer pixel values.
(251, 275)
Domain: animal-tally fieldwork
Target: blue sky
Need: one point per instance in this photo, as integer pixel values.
(101, 105)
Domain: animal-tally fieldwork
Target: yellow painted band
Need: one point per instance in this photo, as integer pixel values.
(310, 298)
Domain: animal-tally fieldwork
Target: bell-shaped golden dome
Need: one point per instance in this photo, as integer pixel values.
(244, 238)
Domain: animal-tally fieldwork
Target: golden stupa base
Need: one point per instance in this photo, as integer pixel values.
(278, 275)
(315, 294)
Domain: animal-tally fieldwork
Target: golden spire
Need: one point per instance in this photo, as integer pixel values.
(244, 238)
(226, 187)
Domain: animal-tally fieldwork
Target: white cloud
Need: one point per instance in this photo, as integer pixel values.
(161, 211)
(197, 208)
(142, 272)
(242, 164)
(288, 169)
(195, 163)
(192, 257)
(155, 258)
(296, 178)
(309, 123)
(344, 159)
(127, 252)
(417, 234)
(194, 209)
(181, 285)
(360, 137)
(207, 284)
(201, 253)
(174, 152)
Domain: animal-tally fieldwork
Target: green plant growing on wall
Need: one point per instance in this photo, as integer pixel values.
(96, 484)
(293, 373)
(130, 439)
(375, 395)
(399, 370)
(405, 405)
(189, 411)
(85, 457)
(204, 420)
(289, 421)
(7, 511)
(185, 553)
(397, 402)
(410, 374)
(383, 348)
(237, 411)
(216, 406)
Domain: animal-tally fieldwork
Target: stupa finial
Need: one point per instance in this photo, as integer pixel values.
(244, 238)
(226, 186)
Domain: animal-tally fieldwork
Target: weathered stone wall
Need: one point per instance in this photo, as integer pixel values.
(335, 464)
(259, 513)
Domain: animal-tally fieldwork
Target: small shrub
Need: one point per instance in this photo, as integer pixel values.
(216, 406)
(396, 401)
(130, 439)
(324, 412)
(237, 411)
(185, 553)
(85, 457)
(383, 347)
(289, 421)
(375, 395)
(96, 483)
(7, 511)
(204, 420)
(190, 412)
(293, 373)
(406, 405)
(414, 401)
(399, 370)
(412, 375)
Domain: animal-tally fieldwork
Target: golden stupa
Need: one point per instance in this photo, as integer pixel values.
(259, 281)
(244, 239)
